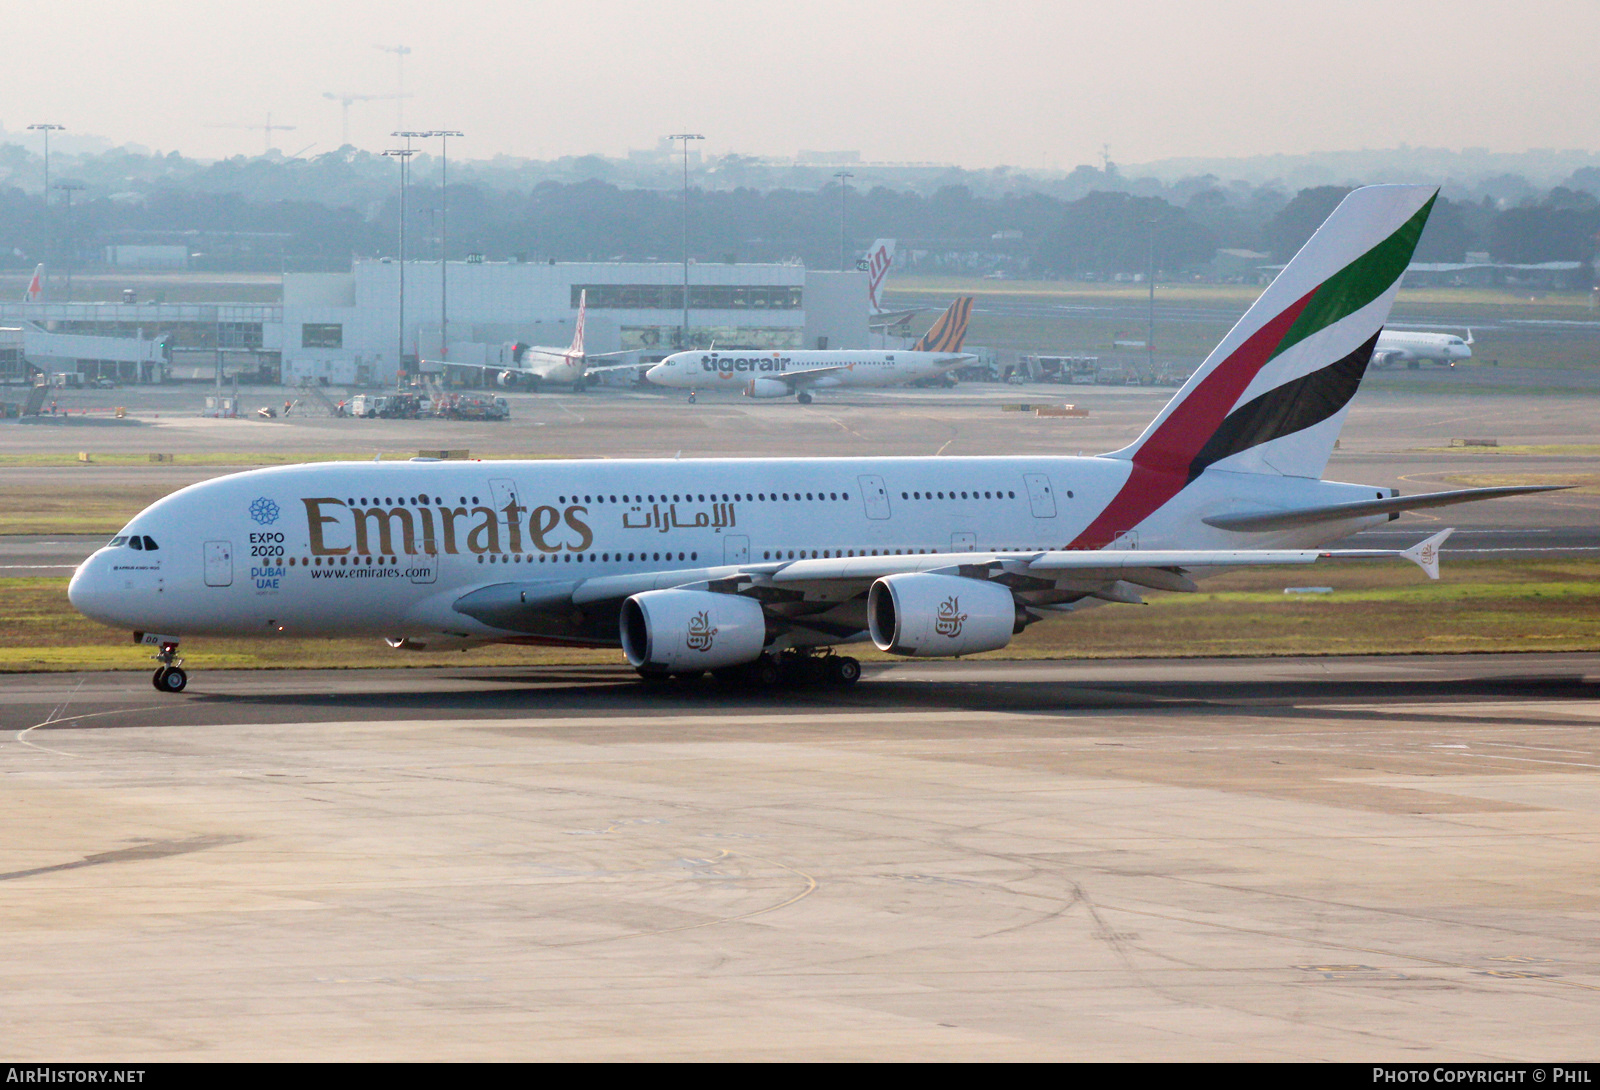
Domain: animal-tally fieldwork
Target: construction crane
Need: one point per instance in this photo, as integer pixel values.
(401, 52)
(268, 129)
(345, 100)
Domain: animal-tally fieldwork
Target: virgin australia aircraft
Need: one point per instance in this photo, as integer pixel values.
(876, 264)
(749, 566)
(532, 365)
(782, 373)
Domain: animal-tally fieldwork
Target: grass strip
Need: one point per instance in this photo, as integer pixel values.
(1479, 605)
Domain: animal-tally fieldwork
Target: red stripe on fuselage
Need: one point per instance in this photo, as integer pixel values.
(1161, 464)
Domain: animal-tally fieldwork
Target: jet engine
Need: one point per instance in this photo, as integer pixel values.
(509, 379)
(670, 631)
(926, 615)
(766, 387)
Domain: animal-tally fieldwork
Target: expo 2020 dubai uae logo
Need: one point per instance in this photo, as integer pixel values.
(264, 511)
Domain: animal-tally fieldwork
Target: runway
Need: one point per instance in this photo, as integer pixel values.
(1350, 859)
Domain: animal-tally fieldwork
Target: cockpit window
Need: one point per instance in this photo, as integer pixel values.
(117, 542)
(135, 542)
(150, 545)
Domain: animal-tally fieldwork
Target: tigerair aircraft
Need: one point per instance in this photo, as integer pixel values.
(796, 373)
(758, 568)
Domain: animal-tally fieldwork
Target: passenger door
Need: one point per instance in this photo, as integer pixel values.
(874, 495)
(1040, 497)
(219, 563)
(735, 549)
(963, 542)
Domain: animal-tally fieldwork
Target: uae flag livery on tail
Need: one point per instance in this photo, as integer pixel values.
(1273, 394)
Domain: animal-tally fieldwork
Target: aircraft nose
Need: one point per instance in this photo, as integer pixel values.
(91, 592)
(656, 373)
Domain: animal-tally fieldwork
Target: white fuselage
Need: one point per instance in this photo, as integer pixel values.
(389, 549)
(734, 369)
(540, 364)
(1402, 346)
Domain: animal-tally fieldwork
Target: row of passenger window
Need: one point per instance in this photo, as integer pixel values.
(832, 554)
(972, 494)
(492, 558)
(725, 497)
(712, 497)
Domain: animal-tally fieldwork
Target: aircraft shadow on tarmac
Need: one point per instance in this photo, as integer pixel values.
(601, 692)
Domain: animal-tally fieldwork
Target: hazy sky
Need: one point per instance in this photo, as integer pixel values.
(1029, 83)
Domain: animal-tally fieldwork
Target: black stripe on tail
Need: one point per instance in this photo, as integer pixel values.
(1295, 406)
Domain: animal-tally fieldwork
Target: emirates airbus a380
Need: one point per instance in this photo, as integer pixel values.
(749, 566)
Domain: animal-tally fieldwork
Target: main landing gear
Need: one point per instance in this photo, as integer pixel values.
(790, 669)
(169, 676)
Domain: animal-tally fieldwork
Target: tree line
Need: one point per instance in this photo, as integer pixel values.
(270, 213)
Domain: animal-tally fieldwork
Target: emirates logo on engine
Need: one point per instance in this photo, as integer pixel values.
(701, 634)
(950, 618)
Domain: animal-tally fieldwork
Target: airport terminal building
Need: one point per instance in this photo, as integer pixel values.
(346, 329)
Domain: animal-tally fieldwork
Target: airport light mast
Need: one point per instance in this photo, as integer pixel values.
(49, 235)
(404, 155)
(444, 136)
(844, 177)
(69, 188)
(683, 331)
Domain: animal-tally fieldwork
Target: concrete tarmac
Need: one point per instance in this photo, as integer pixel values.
(1344, 859)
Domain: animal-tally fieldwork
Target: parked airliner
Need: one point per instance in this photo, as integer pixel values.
(1414, 349)
(752, 566)
(797, 372)
(530, 366)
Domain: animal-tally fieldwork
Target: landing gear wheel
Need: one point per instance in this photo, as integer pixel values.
(804, 398)
(844, 671)
(766, 672)
(170, 679)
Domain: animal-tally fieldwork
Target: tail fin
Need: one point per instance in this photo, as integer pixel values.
(577, 331)
(1272, 396)
(35, 292)
(877, 264)
(948, 333)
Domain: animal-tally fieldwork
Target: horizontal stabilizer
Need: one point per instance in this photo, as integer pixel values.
(1333, 512)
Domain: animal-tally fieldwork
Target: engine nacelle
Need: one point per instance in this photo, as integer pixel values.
(926, 615)
(766, 387)
(508, 379)
(668, 631)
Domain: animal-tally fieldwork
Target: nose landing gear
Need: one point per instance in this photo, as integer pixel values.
(169, 676)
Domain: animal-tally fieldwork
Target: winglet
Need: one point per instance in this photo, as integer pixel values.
(1425, 554)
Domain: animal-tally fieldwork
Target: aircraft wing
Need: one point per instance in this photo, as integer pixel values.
(1095, 563)
(796, 380)
(888, 319)
(478, 366)
(805, 591)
